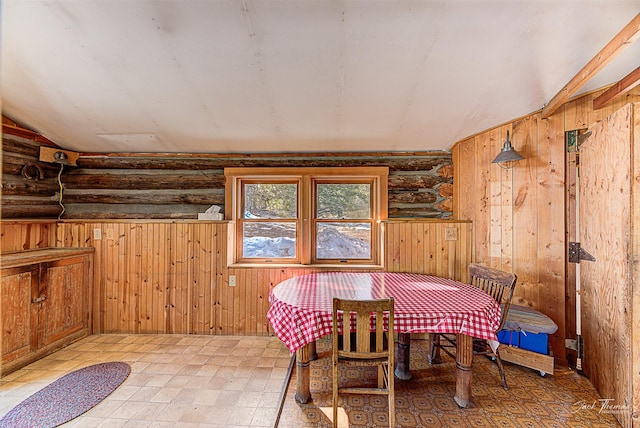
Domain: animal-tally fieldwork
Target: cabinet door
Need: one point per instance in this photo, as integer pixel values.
(17, 321)
(64, 288)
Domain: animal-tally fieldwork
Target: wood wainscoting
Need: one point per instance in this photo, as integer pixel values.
(171, 276)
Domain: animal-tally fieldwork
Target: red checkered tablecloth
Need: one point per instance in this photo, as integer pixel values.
(300, 310)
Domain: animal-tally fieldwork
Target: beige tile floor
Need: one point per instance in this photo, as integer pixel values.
(175, 380)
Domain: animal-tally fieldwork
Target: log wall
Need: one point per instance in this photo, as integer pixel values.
(178, 186)
(172, 277)
(30, 188)
(523, 217)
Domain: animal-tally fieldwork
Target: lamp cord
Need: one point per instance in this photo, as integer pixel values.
(61, 191)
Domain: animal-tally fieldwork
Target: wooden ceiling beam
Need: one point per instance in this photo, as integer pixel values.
(623, 39)
(627, 83)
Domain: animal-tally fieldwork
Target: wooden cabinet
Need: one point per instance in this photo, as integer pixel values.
(46, 302)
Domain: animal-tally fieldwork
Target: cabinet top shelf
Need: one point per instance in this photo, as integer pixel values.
(40, 255)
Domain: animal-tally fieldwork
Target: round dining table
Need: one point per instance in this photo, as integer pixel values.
(301, 313)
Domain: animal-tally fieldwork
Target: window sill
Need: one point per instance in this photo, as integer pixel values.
(340, 266)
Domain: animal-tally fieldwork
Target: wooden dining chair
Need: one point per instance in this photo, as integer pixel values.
(364, 342)
(499, 285)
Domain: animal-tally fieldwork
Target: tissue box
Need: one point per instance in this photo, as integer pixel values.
(210, 216)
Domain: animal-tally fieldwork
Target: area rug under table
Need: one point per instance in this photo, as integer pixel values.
(68, 397)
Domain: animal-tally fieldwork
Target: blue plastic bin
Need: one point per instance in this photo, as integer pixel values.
(509, 337)
(536, 342)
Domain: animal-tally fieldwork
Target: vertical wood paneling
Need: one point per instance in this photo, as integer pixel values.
(525, 214)
(464, 177)
(124, 300)
(457, 164)
(576, 114)
(392, 251)
(20, 236)
(482, 186)
(525, 219)
(164, 277)
(171, 277)
(146, 282)
(406, 241)
(551, 226)
(430, 252)
(417, 234)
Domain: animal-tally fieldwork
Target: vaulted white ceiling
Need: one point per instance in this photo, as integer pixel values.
(237, 76)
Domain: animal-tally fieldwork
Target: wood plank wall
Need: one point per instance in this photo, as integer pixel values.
(519, 215)
(171, 276)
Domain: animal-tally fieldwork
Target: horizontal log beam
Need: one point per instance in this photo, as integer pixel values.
(30, 210)
(17, 185)
(410, 197)
(395, 163)
(82, 179)
(12, 144)
(413, 182)
(415, 212)
(128, 216)
(110, 211)
(151, 197)
(13, 163)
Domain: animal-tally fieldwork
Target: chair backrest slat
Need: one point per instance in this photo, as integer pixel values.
(363, 310)
(496, 283)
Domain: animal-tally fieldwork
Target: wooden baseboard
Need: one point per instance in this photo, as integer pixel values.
(530, 359)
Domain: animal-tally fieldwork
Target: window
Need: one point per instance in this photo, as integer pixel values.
(320, 216)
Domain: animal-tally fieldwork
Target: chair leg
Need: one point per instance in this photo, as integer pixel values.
(392, 401)
(389, 384)
(501, 369)
(335, 395)
(434, 348)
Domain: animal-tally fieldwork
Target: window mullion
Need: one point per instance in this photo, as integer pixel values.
(306, 209)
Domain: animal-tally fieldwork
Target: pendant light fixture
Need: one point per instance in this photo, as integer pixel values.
(508, 156)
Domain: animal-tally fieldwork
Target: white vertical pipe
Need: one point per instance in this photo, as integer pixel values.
(578, 313)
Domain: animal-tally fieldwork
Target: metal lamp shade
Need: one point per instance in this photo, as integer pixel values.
(508, 155)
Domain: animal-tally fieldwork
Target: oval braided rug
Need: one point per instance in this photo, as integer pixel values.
(68, 397)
